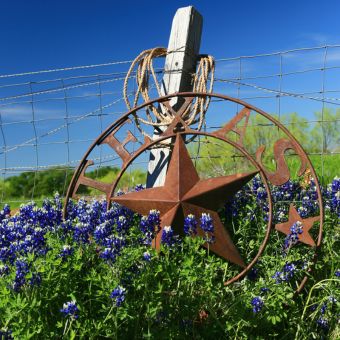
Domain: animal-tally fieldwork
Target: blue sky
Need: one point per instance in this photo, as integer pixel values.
(46, 34)
(37, 35)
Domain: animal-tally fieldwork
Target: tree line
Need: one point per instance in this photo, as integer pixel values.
(323, 136)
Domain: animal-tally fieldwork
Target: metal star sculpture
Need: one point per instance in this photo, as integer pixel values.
(185, 193)
(307, 224)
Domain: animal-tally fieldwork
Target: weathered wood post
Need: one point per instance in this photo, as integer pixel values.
(180, 64)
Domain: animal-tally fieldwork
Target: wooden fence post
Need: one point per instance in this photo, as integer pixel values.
(180, 64)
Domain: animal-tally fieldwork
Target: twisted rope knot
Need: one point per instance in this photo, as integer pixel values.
(195, 113)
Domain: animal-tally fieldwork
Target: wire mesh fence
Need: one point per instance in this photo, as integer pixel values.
(49, 118)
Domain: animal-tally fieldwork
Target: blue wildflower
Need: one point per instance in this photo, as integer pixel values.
(70, 309)
(257, 304)
(139, 187)
(286, 274)
(168, 236)
(119, 295)
(108, 254)
(293, 237)
(4, 269)
(5, 212)
(190, 225)
(67, 251)
(313, 307)
(149, 226)
(22, 268)
(35, 280)
(146, 256)
(323, 323)
(6, 334)
(206, 223)
(332, 299)
(252, 274)
(208, 228)
(122, 224)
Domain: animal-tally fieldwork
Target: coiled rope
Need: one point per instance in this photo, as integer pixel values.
(194, 113)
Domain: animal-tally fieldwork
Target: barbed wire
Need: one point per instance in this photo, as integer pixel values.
(270, 54)
(64, 69)
(76, 97)
(283, 93)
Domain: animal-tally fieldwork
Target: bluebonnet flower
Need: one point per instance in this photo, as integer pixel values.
(261, 194)
(253, 273)
(337, 273)
(4, 269)
(70, 309)
(113, 247)
(122, 224)
(82, 232)
(102, 232)
(293, 237)
(280, 214)
(287, 273)
(323, 323)
(154, 217)
(146, 256)
(22, 268)
(149, 226)
(334, 196)
(208, 228)
(66, 227)
(313, 307)
(139, 187)
(119, 295)
(257, 304)
(308, 207)
(285, 192)
(168, 237)
(67, 251)
(35, 280)
(5, 212)
(6, 334)
(289, 269)
(264, 290)
(323, 308)
(332, 299)
(206, 223)
(108, 254)
(190, 225)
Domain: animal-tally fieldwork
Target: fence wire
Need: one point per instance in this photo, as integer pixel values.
(48, 118)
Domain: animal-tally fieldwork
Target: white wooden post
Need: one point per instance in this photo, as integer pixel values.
(180, 64)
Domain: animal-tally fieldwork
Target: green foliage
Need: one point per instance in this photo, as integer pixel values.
(178, 294)
(42, 182)
(320, 140)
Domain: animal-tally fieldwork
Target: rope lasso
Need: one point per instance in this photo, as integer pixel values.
(145, 69)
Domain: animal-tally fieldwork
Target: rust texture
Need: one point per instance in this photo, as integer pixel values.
(184, 192)
(306, 223)
(282, 174)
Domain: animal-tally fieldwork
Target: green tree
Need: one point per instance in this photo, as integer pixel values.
(325, 135)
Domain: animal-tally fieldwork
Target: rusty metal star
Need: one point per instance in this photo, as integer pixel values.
(185, 193)
(307, 224)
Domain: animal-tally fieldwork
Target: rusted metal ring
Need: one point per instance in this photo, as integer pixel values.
(186, 95)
